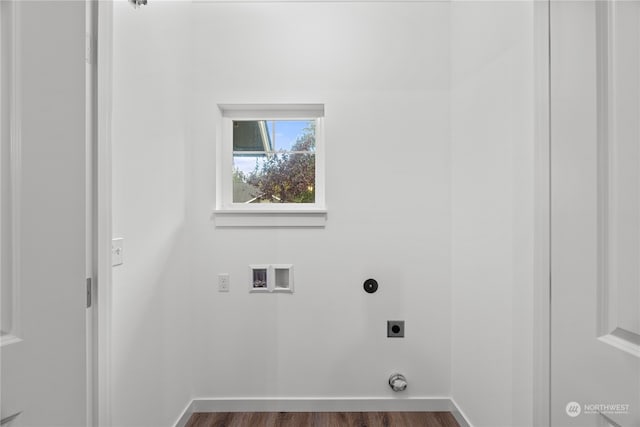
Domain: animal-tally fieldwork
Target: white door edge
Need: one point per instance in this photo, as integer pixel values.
(103, 210)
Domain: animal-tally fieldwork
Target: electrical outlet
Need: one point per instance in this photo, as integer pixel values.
(223, 282)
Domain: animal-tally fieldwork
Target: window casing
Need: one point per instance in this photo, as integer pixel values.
(285, 213)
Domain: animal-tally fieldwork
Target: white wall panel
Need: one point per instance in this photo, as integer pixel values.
(492, 141)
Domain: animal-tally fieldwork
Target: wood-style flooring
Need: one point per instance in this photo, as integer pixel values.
(323, 419)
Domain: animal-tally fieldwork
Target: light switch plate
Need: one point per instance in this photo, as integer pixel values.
(117, 249)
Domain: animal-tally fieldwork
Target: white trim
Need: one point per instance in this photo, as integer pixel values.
(267, 208)
(273, 211)
(273, 111)
(2, 54)
(462, 418)
(321, 149)
(299, 219)
(542, 192)
(91, 10)
(9, 339)
(183, 419)
(103, 209)
(619, 339)
(15, 161)
(605, 20)
(341, 404)
(16, 168)
(229, 214)
(608, 282)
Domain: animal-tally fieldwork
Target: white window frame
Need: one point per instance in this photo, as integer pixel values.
(232, 214)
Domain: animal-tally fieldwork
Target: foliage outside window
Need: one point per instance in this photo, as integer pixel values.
(274, 161)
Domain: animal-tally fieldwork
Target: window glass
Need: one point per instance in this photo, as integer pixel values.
(274, 161)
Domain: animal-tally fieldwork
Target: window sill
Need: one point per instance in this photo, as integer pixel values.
(7, 339)
(271, 218)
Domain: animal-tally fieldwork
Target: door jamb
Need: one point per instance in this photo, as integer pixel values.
(104, 44)
(542, 215)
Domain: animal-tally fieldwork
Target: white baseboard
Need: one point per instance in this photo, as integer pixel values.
(437, 404)
(186, 414)
(460, 416)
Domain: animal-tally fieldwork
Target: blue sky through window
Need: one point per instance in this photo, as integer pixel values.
(286, 134)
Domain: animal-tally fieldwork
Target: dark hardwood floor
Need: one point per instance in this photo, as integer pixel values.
(323, 419)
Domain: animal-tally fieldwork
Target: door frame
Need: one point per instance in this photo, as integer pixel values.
(541, 369)
(103, 233)
(15, 165)
(542, 215)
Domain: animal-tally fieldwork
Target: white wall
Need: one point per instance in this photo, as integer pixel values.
(382, 71)
(492, 206)
(151, 290)
(429, 112)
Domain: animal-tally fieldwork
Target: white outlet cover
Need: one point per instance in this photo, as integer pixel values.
(223, 282)
(117, 251)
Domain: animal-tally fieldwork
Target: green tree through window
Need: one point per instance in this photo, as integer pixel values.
(283, 176)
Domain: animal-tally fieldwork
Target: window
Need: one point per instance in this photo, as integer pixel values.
(271, 166)
(274, 161)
